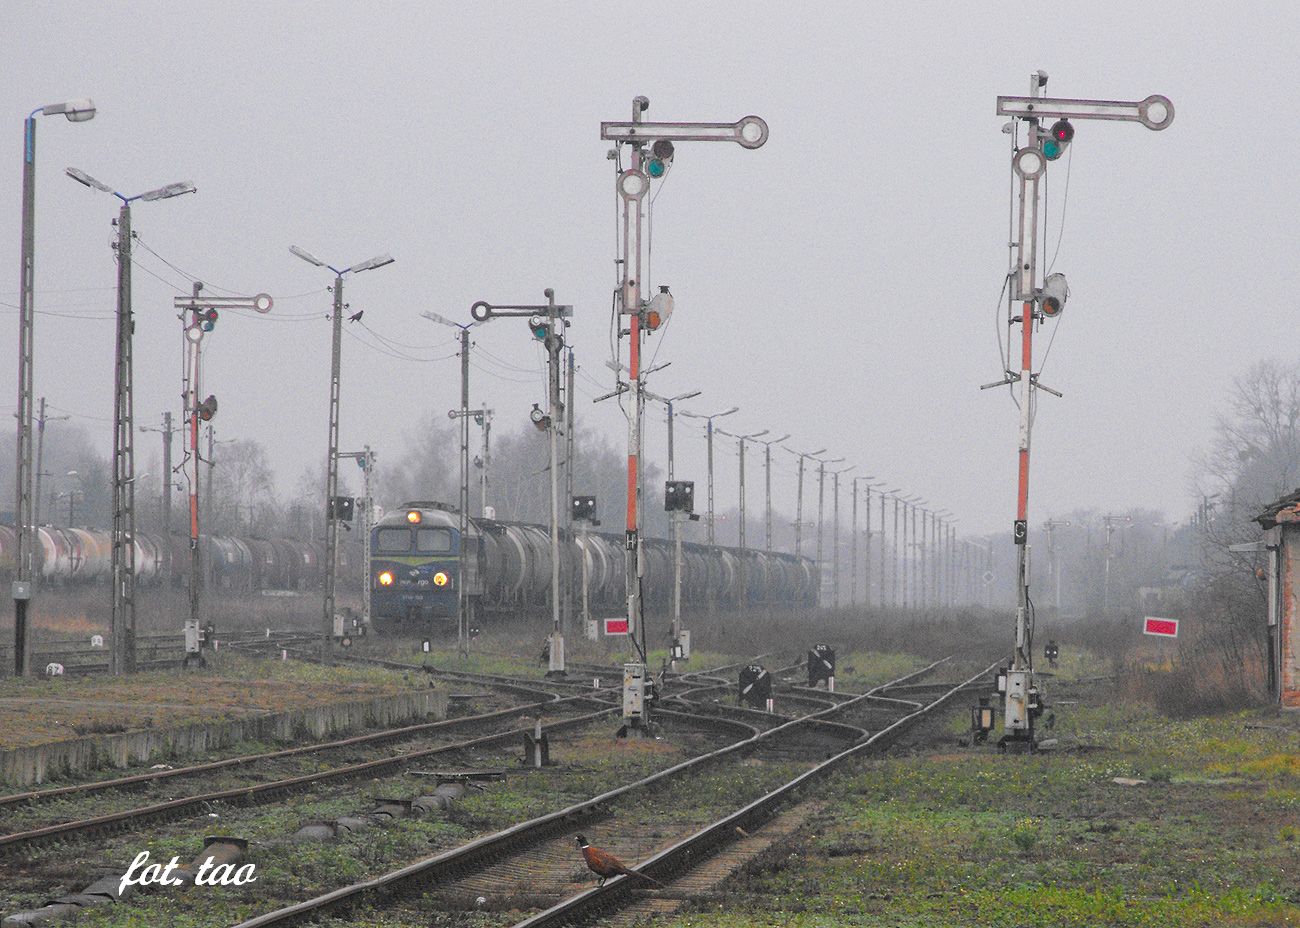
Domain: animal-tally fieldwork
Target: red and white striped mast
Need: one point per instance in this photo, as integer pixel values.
(1041, 301)
(651, 148)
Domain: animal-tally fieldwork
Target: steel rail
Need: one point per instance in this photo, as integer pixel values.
(489, 847)
(250, 793)
(379, 737)
(684, 854)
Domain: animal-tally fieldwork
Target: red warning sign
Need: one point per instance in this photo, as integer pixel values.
(616, 626)
(1166, 628)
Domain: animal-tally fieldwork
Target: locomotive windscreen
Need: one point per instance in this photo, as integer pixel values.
(433, 541)
(393, 541)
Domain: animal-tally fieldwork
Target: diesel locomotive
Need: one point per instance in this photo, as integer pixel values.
(415, 552)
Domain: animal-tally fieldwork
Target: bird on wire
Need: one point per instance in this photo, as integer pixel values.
(606, 865)
(356, 316)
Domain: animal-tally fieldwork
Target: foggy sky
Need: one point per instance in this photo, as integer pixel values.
(839, 283)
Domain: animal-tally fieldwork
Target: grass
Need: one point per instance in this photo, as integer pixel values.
(966, 837)
(863, 669)
(36, 710)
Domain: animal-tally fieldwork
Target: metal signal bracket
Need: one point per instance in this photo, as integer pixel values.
(1156, 112)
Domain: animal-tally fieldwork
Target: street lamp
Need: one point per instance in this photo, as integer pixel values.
(798, 506)
(677, 516)
(670, 403)
(708, 434)
(709, 521)
(835, 528)
(25, 504)
(332, 460)
(853, 543)
(744, 567)
(122, 625)
(821, 512)
(893, 544)
(767, 488)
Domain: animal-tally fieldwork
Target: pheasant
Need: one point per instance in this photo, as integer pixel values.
(606, 865)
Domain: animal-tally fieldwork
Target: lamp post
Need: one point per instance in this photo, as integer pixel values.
(893, 545)
(853, 546)
(677, 517)
(708, 519)
(835, 533)
(798, 506)
(708, 434)
(332, 456)
(25, 502)
(941, 556)
(909, 571)
(740, 538)
(463, 414)
(122, 622)
(767, 489)
(670, 403)
(821, 516)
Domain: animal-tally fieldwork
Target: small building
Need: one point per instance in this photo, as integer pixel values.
(1281, 523)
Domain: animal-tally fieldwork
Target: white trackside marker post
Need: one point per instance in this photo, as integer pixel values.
(1040, 302)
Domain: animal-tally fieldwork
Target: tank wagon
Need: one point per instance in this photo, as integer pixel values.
(415, 552)
(72, 556)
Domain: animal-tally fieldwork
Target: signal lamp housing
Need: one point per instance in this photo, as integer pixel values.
(661, 157)
(207, 410)
(1058, 139)
(1055, 292)
(583, 509)
(659, 310)
(679, 496)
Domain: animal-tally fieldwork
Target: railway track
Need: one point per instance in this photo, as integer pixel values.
(270, 790)
(542, 692)
(676, 862)
(521, 854)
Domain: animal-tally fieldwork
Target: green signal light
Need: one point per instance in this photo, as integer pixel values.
(656, 168)
(1052, 149)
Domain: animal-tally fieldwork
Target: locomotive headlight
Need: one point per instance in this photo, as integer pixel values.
(385, 578)
(440, 578)
(414, 517)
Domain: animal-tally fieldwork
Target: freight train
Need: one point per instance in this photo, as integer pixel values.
(73, 556)
(415, 552)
